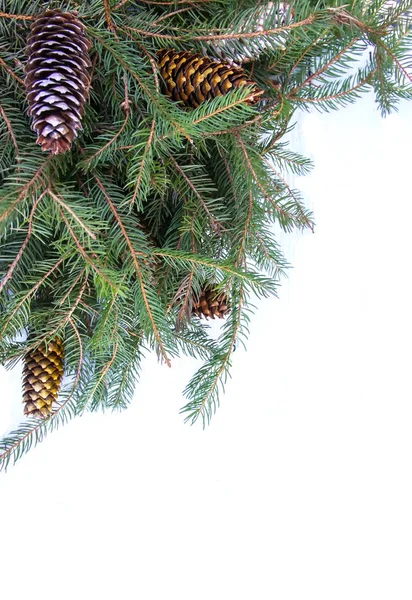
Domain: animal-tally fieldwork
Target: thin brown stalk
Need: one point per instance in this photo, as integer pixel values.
(16, 17)
(34, 429)
(171, 14)
(11, 132)
(11, 72)
(226, 357)
(246, 229)
(395, 60)
(224, 108)
(108, 16)
(253, 34)
(103, 375)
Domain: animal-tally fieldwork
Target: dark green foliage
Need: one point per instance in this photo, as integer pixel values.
(107, 245)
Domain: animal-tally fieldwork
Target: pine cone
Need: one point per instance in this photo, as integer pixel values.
(192, 78)
(211, 304)
(57, 78)
(42, 375)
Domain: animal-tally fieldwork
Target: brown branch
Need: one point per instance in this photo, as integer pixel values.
(254, 34)
(137, 269)
(34, 429)
(15, 17)
(108, 16)
(111, 141)
(265, 250)
(395, 60)
(171, 14)
(11, 72)
(163, 36)
(120, 4)
(23, 246)
(11, 132)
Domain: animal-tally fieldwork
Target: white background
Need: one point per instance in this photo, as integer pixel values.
(301, 486)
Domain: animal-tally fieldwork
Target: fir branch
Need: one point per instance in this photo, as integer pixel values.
(324, 68)
(284, 214)
(71, 212)
(23, 246)
(84, 253)
(28, 295)
(138, 272)
(142, 164)
(305, 219)
(203, 394)
(26, 188)
(216, 225)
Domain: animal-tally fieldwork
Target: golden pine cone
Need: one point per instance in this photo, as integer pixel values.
(192, 78)
(42, 375)
(211, 304)
(57, 78)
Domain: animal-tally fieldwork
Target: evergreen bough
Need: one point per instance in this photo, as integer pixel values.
(109, 245)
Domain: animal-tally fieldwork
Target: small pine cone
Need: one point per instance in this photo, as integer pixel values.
(211, 304)
(192, 78)
(57, 78)
(42, 375)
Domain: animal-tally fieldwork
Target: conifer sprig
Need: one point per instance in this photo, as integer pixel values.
(110, 245)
